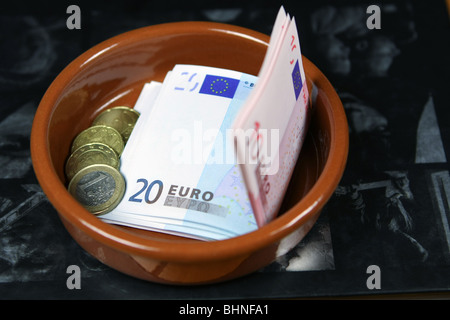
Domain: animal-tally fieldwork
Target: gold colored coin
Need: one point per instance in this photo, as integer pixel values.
(102, 134)
(89, 154)
(99, 188)
(120, 118)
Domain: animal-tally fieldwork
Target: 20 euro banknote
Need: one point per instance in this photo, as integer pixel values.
(179, 163)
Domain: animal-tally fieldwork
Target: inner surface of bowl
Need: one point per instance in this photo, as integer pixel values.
(113, 73)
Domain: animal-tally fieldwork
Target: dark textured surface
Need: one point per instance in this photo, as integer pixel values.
(390, 210)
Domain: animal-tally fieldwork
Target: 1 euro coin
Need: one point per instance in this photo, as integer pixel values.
(98, 188)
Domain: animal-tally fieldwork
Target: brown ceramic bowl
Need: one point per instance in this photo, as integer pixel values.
(112, 73)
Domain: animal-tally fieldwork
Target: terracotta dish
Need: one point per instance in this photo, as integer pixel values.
(113, 73)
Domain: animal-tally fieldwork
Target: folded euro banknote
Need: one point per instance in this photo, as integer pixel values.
(212, 152)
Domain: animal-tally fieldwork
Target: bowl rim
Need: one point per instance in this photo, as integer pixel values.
(183, 250)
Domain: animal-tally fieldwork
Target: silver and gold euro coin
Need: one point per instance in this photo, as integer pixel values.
(99, 188)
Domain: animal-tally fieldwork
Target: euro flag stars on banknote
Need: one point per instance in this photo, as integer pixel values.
(213, 150)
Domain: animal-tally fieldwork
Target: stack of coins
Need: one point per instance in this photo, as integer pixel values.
(92, 168)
